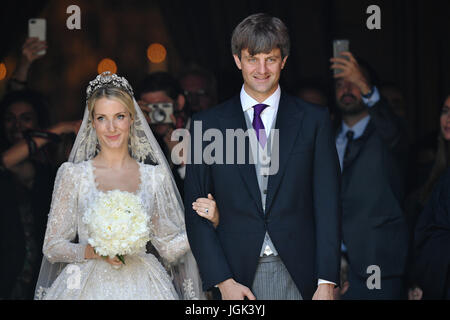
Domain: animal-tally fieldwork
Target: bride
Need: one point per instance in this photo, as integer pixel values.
(115, 150)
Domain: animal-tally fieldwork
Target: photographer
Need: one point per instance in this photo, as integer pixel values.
(200, 88)
(163, 103)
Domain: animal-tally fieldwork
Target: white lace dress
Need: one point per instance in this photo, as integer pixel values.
(143, 276)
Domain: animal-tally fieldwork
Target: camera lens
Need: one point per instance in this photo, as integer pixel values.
(158, 115)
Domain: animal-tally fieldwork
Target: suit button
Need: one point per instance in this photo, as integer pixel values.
(265, 191)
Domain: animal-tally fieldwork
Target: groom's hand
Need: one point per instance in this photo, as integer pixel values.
(324, 292)
(231, 290)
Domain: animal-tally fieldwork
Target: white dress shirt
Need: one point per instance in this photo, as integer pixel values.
(269, 114)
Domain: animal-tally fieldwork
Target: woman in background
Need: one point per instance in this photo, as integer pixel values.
(431, 260)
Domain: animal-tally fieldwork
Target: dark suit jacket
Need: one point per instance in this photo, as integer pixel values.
(302, 217)
(374, 227)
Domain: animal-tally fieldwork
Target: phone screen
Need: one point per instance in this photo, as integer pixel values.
(37, 29)
(339, 46)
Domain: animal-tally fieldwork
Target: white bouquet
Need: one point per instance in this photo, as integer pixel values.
(117, 224)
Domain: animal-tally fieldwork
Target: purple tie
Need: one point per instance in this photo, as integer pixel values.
(258, 124)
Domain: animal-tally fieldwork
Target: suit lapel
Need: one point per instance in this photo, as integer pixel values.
(288, 122)
(233, 118)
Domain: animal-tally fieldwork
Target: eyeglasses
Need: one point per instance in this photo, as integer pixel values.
(197, 93)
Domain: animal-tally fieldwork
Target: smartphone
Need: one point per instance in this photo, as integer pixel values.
(340, 45)
(37, 29)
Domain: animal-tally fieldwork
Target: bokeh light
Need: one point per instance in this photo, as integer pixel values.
(156, 53)
(2, 71)
(107, 65)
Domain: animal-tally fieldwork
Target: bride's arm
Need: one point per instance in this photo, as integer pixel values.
(168, 230)
(62, 220)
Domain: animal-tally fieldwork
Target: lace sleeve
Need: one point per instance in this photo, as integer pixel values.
(168, 231)
(62, 222)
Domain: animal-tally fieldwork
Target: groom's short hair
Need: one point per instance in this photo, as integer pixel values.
(260, 33)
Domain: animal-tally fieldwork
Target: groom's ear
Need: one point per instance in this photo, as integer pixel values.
(283, 63)
(237, 60)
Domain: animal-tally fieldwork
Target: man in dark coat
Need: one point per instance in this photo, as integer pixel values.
(370, 145)
(279, 230)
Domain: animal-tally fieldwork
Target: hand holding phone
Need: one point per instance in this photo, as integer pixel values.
(37, 29)
(339, 46)
(31, 49)
(350, 70)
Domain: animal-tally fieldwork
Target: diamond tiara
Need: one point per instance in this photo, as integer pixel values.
(108, 79)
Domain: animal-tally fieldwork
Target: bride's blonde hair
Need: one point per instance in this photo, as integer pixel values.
(113, 93)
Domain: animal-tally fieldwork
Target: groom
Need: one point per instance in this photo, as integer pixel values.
(279, 230)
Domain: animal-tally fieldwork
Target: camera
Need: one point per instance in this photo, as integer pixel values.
(160, 112)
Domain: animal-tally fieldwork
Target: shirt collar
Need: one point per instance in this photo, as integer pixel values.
(248, 102)
(358, 128)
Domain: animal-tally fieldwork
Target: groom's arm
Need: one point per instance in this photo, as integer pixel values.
(202, 236)
(327, 210)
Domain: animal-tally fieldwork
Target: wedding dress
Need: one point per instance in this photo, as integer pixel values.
(142, 276)
(66, 274)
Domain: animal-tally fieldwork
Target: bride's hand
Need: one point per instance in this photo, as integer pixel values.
(207, 208)
(89, 253)
(113, 261)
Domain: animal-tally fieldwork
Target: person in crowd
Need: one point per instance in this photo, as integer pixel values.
(159, 89)
(313, 93)
(199, 87)
(30, 53)
(28, 170)
(369, 142)
(25, 130)
(442, 159)
(431, 244)
(30, 150)
(393, 94)
(417, 201)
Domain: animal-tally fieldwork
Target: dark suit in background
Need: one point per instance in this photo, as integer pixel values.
(374, 227)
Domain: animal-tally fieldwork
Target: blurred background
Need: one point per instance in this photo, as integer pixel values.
(411, 51)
